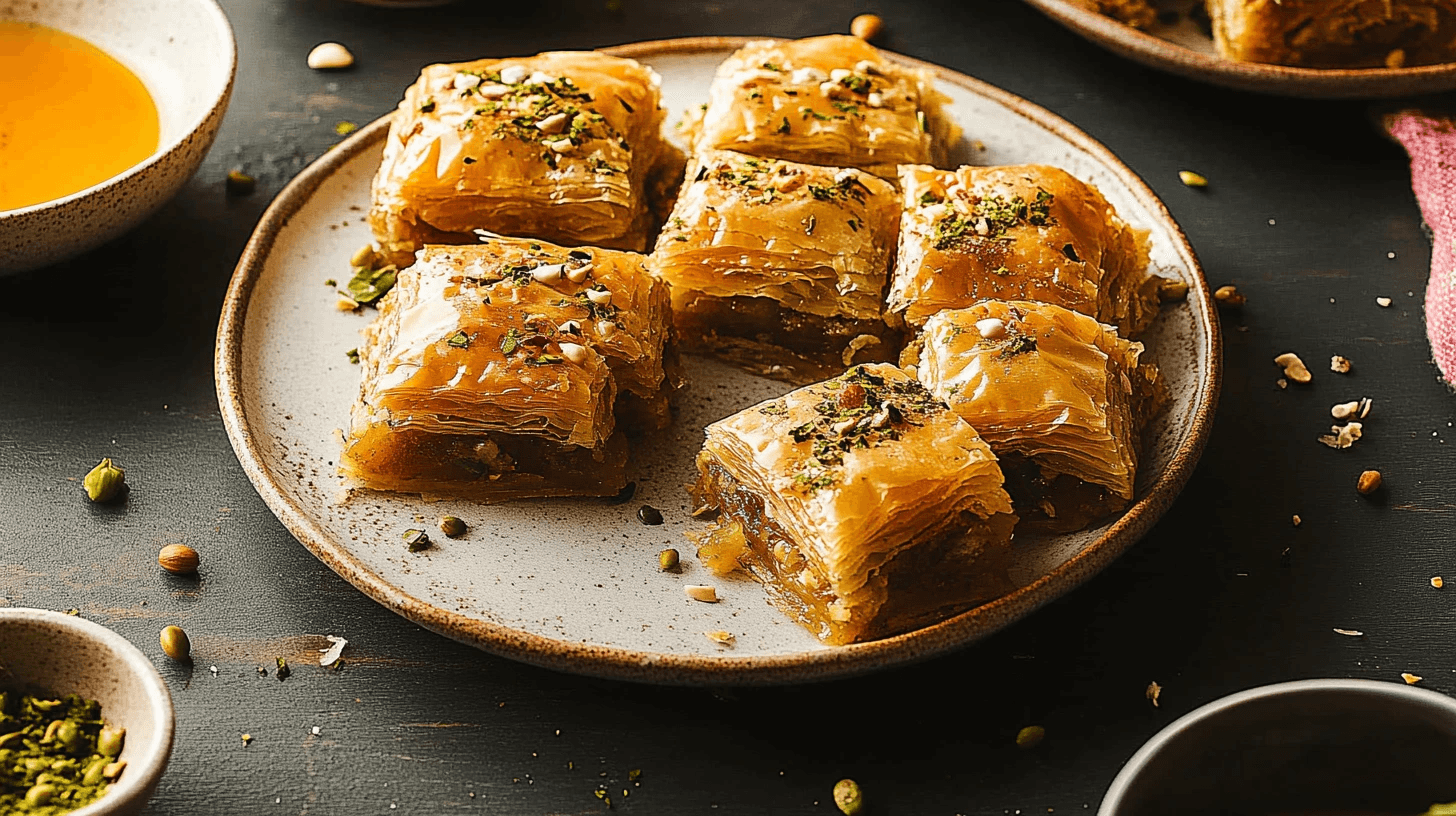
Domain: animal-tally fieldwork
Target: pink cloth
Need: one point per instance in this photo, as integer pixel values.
(1431, 144)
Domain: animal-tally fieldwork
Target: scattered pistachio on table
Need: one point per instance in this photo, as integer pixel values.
(848, 797)
(417, 540)
(104, 482)
(1030, 737)
(1170, 291)
(866, 26)
(668, 561)
(1192, 179)
(329, 56)
(649, 515)
(178, 559)
(176, 644)
(240, 183)
(283, 670)
(345, 127)
(1229, 297)
(1411, 679)
(452, 527)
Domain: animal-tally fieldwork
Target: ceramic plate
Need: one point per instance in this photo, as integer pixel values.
(573, 584)
(1185, 49)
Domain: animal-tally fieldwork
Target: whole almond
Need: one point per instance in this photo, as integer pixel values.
(178, 559)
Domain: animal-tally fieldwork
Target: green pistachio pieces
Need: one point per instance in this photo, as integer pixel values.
(848, 798)
(176, 644)
(110, 740)
(416, 540)
(452, 527)
(369, 285)
(51, 756)
(1030, 737)
(104, 482)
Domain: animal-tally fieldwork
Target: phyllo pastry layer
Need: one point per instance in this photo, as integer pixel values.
(1336, 33)
(1060, 397)
(833, 100)
(863, 504)
(780, 267)
(502, 370)
(1018, 232)
(560, 146)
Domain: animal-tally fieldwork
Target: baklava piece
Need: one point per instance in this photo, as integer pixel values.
(780, 267)
(833, 100)
(1020, 232)
(863, 504)
(1336, 33)
(563, 146)
(1061, 398)
(510, 369)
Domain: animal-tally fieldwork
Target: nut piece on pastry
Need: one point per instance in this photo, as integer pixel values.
(781, 267)
(862, 503)
(563, 146)
(510, 369)
(832, 100)
(1018, 232)
(1335, 33)
(1136, 13)
(1058, 396)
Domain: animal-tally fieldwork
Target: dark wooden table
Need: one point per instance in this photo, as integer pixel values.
(111, 355)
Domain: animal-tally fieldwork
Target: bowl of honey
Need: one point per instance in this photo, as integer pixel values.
(107, 107)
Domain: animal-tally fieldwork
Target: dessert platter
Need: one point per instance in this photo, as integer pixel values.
(1308, 48)
(717, 360)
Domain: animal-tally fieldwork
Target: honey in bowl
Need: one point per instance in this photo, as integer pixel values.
(71, 115)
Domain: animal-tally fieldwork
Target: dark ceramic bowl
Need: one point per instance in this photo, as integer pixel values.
(1307, 747)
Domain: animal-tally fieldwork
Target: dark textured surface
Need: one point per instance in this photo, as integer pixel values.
(111, 355)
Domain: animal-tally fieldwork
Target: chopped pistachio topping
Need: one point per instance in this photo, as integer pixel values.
(990, 218)
(54, 754)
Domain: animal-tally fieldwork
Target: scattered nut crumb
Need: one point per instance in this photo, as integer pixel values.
(701, 592)
(1383, 302)
(329, 56)
(1437, 582)
(247, 738)
(1192, 179)
(1340, 365)
(1030, 737)
(1350, 632)
(1297, 520)
(1395, 59)
(1345, 410)
(1152, 693)
(1293, 367)
(1368, 483)
(239, 183)
(1410, 679)
(1365, 405)
(721, 638)
(866, 26)
(1282, 383)
(1342, 436)
(1229, 297)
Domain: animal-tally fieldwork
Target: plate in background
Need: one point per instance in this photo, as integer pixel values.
(573, 584)
(1185, 49)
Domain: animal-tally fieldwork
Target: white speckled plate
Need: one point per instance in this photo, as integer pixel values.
(571, 583)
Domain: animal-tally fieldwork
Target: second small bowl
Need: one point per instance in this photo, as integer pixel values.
(1306, 747)
(52, 653)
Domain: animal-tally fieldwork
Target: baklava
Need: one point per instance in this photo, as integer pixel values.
(563, 146)
(1018, 232)
(1061, 398)
(510, 369)
(863, 504)
(833, 100)
(1336, 33)
(781, 267)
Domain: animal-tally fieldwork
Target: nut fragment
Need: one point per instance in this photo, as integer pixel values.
(1368, 483)
(1340, 365)
(1345, 410)
(240, 183)
(1154, 691)
(574, 352)
(416, 540)
(721, 638)
(1170, 291)
(1395, 59)
(701, 592)
(668, 560)
(176, 644)
(1437, 582)
(1350, 632)
(329, 56)
(178, 559)
(1030, 737)
(1297, 520)
(1342, 436)
(600, 297)
(453, 527)
(1383, 302)
(1229, 297)
(866, 26)
(1192, 179)
(1293, 366)
(104, 482)
(848, 797)
(991, 328)
(1411, 679)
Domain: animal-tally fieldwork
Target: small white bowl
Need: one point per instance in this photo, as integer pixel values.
(183, 51)
(57, 654)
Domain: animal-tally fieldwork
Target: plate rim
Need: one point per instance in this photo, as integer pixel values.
(671, 669)
(1281, 80)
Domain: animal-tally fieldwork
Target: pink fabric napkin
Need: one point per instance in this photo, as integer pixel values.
(1431, 143)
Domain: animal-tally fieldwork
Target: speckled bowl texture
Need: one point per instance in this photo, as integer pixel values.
(44, 652)
(574, 584)
(183, 51)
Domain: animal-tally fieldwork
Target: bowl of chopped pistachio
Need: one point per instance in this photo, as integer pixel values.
(1299, 749)
(85, 720)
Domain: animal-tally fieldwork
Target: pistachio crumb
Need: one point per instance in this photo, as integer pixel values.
(1192, 179)
(1153, 692)
(1296, 519)
(1030, 737)
(721, 638)
(1410, 679)
(1229, 297)
(1340, 365)
(848, 797)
